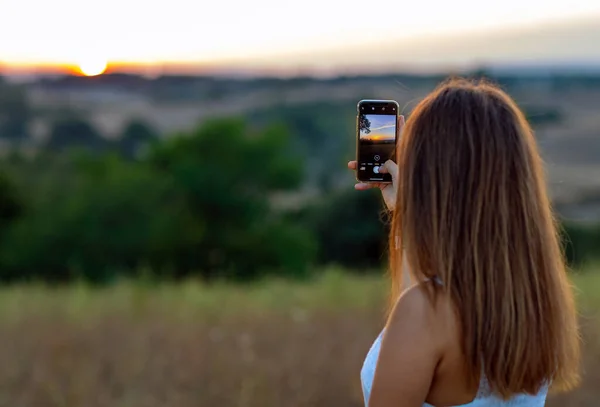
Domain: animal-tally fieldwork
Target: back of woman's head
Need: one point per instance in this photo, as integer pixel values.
(473, 210)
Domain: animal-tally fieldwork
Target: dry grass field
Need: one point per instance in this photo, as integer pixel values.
(274, 343)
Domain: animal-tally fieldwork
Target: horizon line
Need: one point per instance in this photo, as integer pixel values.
(224, 69)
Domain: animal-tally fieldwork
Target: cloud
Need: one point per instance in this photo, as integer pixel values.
(387, 126)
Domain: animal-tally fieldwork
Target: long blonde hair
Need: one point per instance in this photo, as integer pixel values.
(472, 210)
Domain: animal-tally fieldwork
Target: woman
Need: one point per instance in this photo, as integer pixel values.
(489, 319)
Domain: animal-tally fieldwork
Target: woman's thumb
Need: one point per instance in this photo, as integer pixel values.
(389, 167)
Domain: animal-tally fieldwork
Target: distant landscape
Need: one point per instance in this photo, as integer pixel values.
(162, 163)
(561, 107)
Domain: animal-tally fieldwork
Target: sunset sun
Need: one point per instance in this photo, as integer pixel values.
(93, 66)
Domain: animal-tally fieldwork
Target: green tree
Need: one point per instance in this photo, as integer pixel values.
(364, 124)
(11, 205)
(227, 173)
(350, 227)
(135, 139)
(196, 204)
(15, 112)
(581, 243)
(102, 218)
(69, 133)
(11, 208)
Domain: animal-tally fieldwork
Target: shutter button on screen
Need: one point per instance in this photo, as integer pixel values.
(376, 169)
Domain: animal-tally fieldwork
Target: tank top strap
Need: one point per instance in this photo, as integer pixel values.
(435, 279)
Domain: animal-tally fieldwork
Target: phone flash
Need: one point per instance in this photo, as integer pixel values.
(373, 108)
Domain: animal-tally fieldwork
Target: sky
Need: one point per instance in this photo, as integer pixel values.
(59, 32)
(381, 126)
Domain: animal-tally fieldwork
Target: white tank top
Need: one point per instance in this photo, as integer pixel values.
(484, 397)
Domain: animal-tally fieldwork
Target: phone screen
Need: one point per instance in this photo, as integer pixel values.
(377, 131)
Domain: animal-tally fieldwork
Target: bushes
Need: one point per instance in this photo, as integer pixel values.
(581, 243)
(351, 229)
(196, 204)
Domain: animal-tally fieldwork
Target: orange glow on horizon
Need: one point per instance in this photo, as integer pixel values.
(144, 68)
(377, 137)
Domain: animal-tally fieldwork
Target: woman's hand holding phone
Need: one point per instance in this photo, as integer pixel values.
(388, 190)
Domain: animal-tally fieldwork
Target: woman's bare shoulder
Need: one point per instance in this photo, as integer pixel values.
(411, 349)
(426, 306)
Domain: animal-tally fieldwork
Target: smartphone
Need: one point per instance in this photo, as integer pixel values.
(376, 137)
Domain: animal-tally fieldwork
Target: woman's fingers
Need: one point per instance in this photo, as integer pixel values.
(389, 167)
(363, 186)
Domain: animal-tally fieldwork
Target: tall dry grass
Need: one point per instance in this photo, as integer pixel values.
(269, 344)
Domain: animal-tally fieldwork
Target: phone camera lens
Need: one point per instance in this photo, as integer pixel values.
(373, 108)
